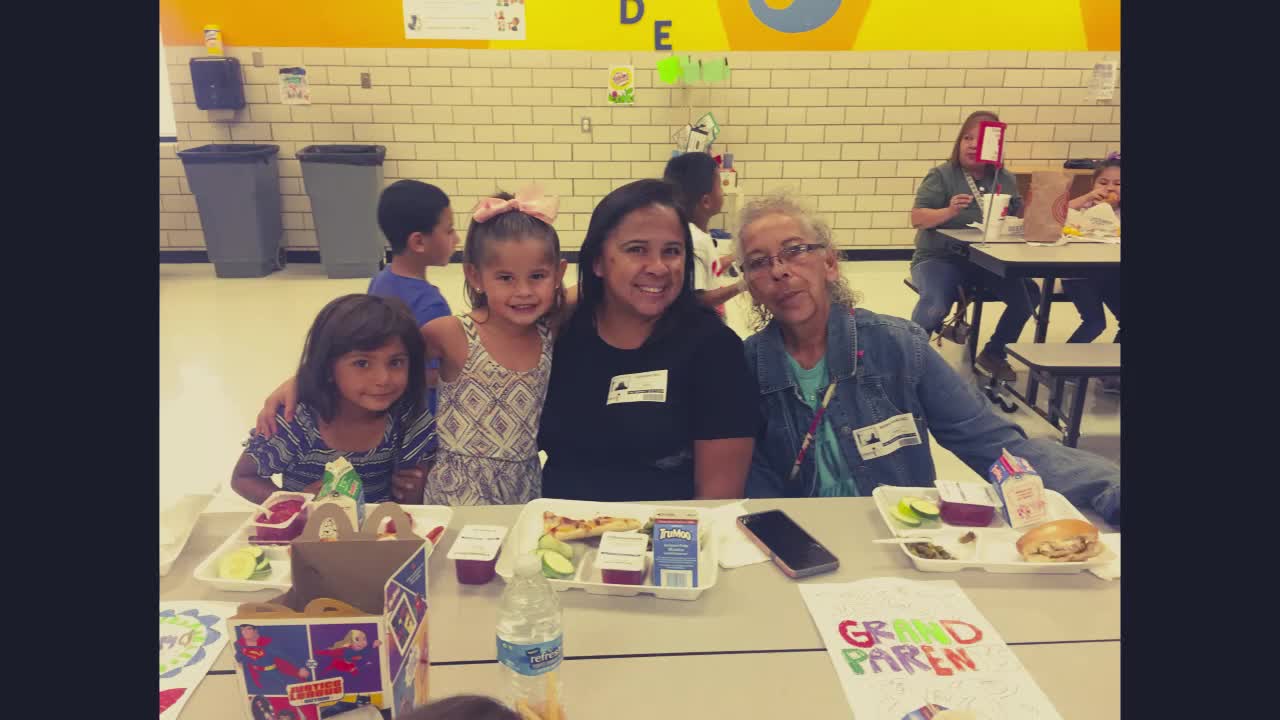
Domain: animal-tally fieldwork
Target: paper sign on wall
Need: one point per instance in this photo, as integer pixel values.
(669, 70)
(622, 85)
(464, 19)
(293, 86)
(1102, 84)
(907, 649)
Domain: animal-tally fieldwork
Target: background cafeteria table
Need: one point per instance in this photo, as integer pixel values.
(754, 611)
(1012, 257)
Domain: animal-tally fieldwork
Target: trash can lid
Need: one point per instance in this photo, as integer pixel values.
(220, 153)
(344, 154)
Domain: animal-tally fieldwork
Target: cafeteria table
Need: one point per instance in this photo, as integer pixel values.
(752, 619)
(1010, 256)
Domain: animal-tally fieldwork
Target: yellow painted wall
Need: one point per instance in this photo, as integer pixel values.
(696, 25)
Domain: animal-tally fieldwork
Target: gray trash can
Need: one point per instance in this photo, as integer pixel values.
(343, 182)
(237, 189)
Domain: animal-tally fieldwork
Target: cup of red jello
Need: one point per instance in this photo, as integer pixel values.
(283, 516)
(475, 553)
(966, 504)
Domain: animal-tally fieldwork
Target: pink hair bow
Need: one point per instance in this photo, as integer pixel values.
(529, 201)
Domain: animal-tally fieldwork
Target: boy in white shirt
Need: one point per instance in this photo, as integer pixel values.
(696, 178)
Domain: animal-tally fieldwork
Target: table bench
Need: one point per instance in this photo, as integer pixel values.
(1058, 363)
(981, 295)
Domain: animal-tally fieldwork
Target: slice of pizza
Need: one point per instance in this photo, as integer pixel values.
(604, 523)
(563, 528)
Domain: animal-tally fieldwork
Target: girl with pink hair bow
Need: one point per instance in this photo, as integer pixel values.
(495, 361)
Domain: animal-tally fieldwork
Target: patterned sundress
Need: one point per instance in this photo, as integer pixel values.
(488, 429)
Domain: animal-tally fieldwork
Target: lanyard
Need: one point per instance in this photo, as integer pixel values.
(977, 191)
(808, 437)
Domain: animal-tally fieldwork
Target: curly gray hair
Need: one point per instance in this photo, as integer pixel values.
(782, 203)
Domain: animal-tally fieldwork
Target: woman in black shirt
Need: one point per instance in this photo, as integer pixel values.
(650, 397)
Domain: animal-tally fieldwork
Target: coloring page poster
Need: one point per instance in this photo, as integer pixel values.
(192, 634)
(464, 19)
(905, 650)
(293, 86)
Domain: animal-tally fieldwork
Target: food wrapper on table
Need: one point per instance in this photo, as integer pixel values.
(1097, 223)
(350, 631)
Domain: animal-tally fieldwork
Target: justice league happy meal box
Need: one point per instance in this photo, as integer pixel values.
(351, 631)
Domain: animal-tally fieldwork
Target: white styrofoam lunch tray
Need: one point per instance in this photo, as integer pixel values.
(995, 547)
(425, 518)
(523, 538)
(176, 525)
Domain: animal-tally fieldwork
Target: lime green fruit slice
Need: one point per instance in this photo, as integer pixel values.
(555, 565)
(237, 565)
(904, 518)
(547, 542)
(925, 509)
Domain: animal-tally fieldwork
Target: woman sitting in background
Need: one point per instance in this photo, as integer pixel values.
(951, 197)
(849, 397)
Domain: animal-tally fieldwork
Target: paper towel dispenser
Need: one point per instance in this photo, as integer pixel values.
(217, 83)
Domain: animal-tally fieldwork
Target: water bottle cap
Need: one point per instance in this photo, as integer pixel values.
(528, 566)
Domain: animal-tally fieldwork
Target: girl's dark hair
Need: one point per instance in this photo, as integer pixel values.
(1101, 165)
(694, 175)
(464, 707)
(507, 226)
(357, 323)
(973, 118)
(607, 216)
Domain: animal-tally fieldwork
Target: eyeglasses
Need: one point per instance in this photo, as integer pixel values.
(788, 254)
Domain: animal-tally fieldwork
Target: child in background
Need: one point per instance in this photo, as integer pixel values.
(1089, 295)
(359, 390)
(496, 360)
(418, 223)
(696, 178)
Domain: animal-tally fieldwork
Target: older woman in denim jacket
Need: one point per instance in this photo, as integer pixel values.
(890, 388)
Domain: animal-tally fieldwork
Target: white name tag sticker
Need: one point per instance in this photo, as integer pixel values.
(886, 437)
(638, 387)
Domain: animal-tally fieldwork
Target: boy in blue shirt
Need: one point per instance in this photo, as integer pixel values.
(418, 223)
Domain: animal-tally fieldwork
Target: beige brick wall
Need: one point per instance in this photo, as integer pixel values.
(853, 133)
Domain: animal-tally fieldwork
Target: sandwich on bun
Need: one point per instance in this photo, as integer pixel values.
(1060, 541)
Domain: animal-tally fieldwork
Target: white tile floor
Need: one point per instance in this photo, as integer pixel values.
(224, 344)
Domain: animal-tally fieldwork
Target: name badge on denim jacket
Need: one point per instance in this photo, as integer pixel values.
(885, 438)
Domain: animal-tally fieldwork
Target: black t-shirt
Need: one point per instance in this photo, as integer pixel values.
(620, 424)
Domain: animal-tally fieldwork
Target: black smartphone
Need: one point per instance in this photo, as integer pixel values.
(792, 549)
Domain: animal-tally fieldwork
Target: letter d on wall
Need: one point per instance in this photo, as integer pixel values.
(800, 16)
(635, 18)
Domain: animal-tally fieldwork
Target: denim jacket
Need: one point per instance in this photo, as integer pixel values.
(884, 367)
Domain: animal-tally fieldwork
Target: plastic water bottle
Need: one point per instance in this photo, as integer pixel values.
(530, 640)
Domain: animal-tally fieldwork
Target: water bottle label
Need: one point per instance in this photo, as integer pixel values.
(531, 660)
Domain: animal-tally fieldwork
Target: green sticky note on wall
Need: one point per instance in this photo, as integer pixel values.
(669, 70)
(692, 69)
(716, 70)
